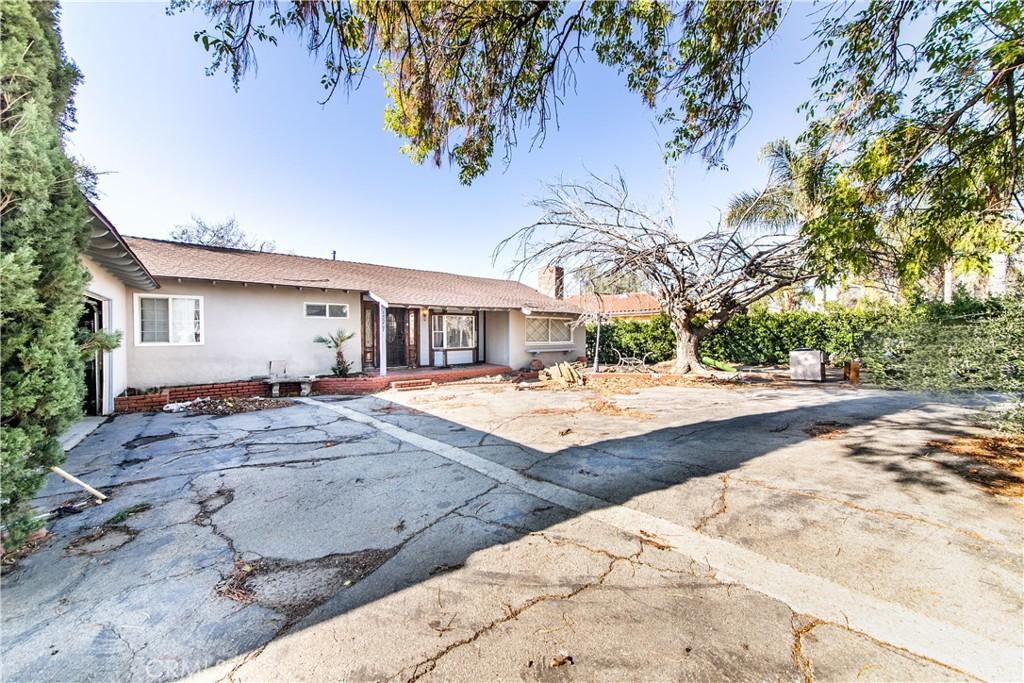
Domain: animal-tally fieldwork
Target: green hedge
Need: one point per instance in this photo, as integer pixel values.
(753, 338)
(970, 345)
(759, 337)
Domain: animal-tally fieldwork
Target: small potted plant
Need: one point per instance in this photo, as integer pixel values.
(335, 341)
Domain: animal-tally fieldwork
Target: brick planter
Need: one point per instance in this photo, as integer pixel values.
(153, 402)
(145, 403)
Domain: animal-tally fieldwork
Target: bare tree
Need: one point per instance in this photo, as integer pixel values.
(701, 282)
(223, 234)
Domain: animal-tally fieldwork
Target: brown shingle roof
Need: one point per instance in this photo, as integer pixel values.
(633, 303)
(397, 286)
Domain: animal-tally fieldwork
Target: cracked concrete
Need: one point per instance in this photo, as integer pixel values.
(372, 558)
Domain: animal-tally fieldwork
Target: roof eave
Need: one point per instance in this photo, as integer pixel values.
(109, 250)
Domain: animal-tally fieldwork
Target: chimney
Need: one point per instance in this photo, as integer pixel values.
(551, 281)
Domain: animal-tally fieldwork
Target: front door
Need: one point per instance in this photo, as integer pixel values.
(395, 328)
(92, 321)
(370, 313)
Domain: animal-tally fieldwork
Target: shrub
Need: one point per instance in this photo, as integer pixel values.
(969, 345)
(45, 228)
(634, 338)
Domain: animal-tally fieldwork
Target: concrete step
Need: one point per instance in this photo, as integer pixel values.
(412, 384)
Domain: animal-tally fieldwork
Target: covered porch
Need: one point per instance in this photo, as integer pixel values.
(406, 341)
(372, 381)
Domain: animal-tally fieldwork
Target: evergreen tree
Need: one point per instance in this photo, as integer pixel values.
(44, 229)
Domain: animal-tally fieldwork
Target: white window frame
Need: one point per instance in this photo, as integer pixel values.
(548, 342)
(138, 319)
(444, 331)
(327, 309)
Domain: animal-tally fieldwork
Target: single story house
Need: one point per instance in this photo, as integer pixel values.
(198, 315)
(640, 306)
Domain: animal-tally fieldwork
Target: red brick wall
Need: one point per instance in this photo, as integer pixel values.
(370, 385)
(328, 385)
(156, 401)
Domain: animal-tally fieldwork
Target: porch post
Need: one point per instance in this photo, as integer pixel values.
(382, 339)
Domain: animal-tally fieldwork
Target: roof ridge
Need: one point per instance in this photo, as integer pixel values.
(326, 260)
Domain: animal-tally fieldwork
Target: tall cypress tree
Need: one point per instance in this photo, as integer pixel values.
(43, 230)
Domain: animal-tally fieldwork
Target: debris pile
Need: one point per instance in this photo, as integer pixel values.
(225, 406)
(564, 374)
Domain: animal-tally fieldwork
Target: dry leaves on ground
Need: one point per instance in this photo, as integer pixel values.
(826, 429)
(1004, 456)
(603, 406)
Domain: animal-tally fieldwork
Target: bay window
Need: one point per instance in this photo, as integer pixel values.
(453, 331)
(168, 320)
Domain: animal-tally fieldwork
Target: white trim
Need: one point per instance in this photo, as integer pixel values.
(379, 300)
(382, 333)
(444, 332)
(137, 311)
(327, 310)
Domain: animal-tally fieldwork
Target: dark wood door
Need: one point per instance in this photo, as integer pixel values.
(370, 334)
(395, 325)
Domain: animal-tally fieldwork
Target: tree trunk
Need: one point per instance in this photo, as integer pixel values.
(947, 282)
(687, 360)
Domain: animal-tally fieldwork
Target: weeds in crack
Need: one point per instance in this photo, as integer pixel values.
(510, 613)
(800, 660)
(720, 504)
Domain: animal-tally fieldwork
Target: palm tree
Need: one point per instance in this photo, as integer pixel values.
(795, 192)
(335, 341)
(793, 197)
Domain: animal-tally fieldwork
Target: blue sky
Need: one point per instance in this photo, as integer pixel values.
(172, 142)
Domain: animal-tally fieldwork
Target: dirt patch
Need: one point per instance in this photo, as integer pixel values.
(296, 587)
(1002, 456)
(553, 411)
(630, 382)
(603, 406)
(227, 406)
(826, 429)
(106, 538)
(9, 560)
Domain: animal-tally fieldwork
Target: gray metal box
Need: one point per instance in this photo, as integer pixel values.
(807, 365)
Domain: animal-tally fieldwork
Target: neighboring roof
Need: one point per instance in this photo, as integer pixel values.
(396, 286)
(108, 249)
(632, 303)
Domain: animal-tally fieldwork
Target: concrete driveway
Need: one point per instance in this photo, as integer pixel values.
(482, 533)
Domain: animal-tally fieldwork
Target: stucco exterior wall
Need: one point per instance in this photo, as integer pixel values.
(244, 329)
(496, 337)
(521, 353)
(107, 288)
